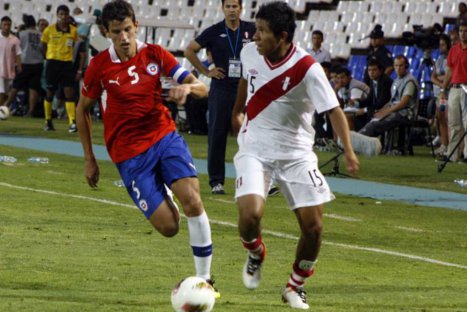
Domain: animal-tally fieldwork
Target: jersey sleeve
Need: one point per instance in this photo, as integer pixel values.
(171, 67)
(204, 37)
(92, 86)
(45, 35)
(319, 89)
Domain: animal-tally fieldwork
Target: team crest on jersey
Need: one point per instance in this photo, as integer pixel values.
(152, 69)
(143, 205)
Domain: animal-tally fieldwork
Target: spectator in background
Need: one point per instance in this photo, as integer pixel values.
(58, 43)
(401, 108)
(42, 24)
(462, 13)
(456, 76)
(454, 36)
(10, 57)
(380, 88)
(32, 60)
(379, 52)
(437, 77)
(225, 40)
(352, 94)
(317, 51)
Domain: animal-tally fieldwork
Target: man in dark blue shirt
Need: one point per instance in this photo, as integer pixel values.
(225, 40)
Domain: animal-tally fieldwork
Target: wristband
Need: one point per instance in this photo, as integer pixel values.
(441, 90)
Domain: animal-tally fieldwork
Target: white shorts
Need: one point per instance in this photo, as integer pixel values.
(5, 85)
(300, 180)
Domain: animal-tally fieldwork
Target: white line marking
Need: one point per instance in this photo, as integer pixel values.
(232, 225)
(409, 229)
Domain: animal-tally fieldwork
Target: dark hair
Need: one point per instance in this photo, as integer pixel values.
(343, 70)
(29, 21)
(326, 65)
(6, 18)
(64, 8)
(403, 57)
(117, 10)
(239, 2)
(279, 16)
(318, 32)
(446, 39)
(374, 62)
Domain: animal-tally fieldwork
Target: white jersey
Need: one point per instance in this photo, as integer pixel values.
(280, 104)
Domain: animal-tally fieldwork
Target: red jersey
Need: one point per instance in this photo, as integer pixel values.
(134, 116)
(457, 62)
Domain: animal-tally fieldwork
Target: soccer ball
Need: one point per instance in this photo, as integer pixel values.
(193, 294)
(4, 112)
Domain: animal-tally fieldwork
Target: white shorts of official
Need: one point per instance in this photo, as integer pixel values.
(5, 85)
(300, 180)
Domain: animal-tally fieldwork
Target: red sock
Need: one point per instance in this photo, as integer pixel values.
(256, 248)
(298, 276)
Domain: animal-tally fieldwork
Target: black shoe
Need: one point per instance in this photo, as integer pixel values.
(49, 126)
(274, 190)
(217, 293)
(218, 189)
(463, 161)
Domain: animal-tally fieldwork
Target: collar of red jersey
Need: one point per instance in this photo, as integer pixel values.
(113, 54)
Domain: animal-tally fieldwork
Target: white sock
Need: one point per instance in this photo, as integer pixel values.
(200, 240)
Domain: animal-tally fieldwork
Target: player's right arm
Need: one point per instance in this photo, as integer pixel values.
(238, 109)
(84, 124)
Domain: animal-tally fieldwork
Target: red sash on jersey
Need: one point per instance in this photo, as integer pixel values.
(278, 87)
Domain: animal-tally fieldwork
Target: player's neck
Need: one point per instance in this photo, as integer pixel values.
(126, 57)
(280, 53)
(232, 24)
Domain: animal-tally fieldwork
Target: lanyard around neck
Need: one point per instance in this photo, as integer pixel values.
(234, 51)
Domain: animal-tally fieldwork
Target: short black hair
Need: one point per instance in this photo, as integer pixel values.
(117, 10)
(375, 62)
(318, 32)
(239, 2)
(29, 21)
(64, 8)
(6, 18)
(327, 65)
(279, 16)
(446, 39)
(343, 70)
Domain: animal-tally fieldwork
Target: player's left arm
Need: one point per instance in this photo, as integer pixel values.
(190, 86)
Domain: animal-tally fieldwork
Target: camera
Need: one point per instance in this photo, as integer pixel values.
(423, 38)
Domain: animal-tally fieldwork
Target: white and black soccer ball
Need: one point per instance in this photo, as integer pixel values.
(193, 294)
(4, 112)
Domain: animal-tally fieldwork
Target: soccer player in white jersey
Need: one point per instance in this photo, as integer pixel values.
(280, 89)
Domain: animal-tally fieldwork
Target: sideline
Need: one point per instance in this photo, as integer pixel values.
(353, 187)
(265, 231)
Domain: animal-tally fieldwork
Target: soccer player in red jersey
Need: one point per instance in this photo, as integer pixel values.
(140, 135)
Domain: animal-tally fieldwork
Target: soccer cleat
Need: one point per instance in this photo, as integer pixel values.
(72, 128)
(218, 189)
(49, 126)
(274, 190)
(252, 272)
(211, 282)
(295, 297)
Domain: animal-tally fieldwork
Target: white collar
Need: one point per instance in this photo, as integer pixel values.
(114, 56)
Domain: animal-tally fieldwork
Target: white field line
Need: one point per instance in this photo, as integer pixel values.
(409, 229)
(232, 225)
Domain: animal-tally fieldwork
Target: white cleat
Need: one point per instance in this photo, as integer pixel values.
(295, 298)
(252, 272)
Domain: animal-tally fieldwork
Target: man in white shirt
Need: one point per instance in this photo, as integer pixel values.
(280, 89)
(319, 53)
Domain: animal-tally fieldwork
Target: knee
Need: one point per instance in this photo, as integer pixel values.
(168, 230)
(312, 229)
(192, 205)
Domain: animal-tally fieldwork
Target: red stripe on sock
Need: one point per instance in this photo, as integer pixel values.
(301, 272)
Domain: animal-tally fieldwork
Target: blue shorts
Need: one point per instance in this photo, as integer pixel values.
(144, 175)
